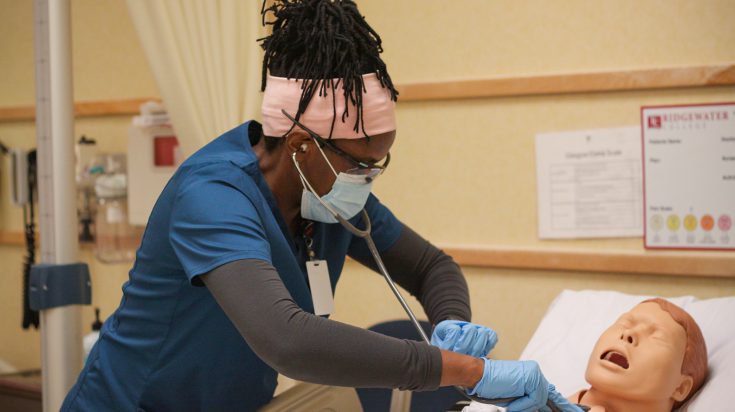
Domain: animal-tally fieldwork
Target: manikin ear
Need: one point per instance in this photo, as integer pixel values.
(682, 390)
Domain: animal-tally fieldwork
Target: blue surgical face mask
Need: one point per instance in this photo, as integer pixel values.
(347, 198)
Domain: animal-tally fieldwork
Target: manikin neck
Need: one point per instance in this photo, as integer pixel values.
(595, 397)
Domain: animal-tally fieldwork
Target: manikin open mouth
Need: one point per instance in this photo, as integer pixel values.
(616, 358)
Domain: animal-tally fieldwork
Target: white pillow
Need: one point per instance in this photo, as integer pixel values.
(716, 317)
(574, 321)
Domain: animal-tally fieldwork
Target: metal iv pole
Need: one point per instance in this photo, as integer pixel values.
(58, 285)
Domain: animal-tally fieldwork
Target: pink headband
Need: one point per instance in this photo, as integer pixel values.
(377, 108)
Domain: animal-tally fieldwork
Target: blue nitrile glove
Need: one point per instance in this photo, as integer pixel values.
(522, 379)
(464, 337)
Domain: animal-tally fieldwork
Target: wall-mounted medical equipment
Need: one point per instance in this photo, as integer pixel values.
(22, 178)
(19, 176)
(115, 239)
(22, 183)
(61, 337)
(153, 155)
(85, 152)
(91, 338)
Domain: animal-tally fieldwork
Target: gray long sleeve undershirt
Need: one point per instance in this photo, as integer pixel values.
(310, 348)
(428, 274)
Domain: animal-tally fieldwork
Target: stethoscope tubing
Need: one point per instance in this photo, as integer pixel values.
(365, 234)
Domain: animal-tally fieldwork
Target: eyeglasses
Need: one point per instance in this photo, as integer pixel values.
(369, 170)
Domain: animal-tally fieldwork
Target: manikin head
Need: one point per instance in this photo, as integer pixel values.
(654, 352)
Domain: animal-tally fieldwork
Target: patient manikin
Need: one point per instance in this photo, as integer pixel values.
(652, 359)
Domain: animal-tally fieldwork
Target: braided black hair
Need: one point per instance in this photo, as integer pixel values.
(320, 41)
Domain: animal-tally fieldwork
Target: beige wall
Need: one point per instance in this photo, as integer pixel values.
(463, 171)
(428, 40)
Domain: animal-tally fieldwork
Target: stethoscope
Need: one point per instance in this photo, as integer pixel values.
(365, 234)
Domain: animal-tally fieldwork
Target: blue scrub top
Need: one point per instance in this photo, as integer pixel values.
(169, 346)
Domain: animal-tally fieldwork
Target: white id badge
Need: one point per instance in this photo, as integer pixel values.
(321, 288)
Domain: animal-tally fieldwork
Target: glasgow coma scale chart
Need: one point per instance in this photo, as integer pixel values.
(596, 195)
(589, 183)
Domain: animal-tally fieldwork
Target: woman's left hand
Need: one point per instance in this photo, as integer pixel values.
(464, 337)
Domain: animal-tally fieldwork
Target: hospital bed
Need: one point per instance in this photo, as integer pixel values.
(562, 344)
(309, 397)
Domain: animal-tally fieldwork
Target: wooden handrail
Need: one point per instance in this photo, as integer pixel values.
(610, 81)
(697, 264)
(594, 82)
(688, 263)
(117, 107)
(12, 238)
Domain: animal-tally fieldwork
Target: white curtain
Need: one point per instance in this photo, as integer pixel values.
(206, 62)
